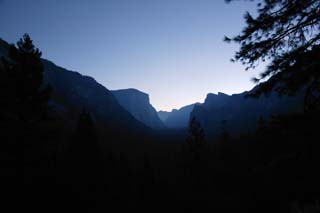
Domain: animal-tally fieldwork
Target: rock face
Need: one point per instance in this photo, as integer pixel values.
(137, 104)
(72, 92)
(163, 115)
(76, 91)
(130, 109)
(177, 118)
(239, 114)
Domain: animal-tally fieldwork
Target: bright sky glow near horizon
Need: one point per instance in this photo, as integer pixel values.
(171, 49)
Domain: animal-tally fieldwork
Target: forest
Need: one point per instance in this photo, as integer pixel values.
(77, 161)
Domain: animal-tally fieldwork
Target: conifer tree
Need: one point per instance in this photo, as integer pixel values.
(196, 136)
(24, 71)
(287, 35)
(85, 168)
(85, 141)
(85, 131)
(196, 142)
(24, 98)
(23, 109)
(225, 134)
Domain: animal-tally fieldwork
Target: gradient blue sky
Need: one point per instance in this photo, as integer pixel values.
(171, 49)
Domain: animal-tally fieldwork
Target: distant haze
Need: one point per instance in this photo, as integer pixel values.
(171, 49)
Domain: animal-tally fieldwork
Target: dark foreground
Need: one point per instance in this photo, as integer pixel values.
(275, 169)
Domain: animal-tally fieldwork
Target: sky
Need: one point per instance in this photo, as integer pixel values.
(171, 49)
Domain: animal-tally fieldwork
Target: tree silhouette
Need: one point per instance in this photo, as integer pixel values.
(23, 113)
(84, 147)
(196, 137)
(196, 142)
(225, 134)
(24, 101)
(85, 167)
(287, 34)
(28, 97)
(85, 134)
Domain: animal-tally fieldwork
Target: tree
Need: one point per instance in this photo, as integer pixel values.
(23, 111)
(196, 142)
(26, 96)
(225, 134)
(286, 33)
(84, 147)
(85, 132)
(196, 136)
(84, 165)
(24, 99)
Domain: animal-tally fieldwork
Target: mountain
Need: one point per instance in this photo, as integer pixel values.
(177, 118)
(130, 109)
(72, 92)
(75, 91)
(239, 114)
(163, 115)
(137, 103)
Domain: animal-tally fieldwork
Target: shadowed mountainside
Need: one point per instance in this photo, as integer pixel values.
(238, 114)
(177, 118)
(138, 104)
(72, 92)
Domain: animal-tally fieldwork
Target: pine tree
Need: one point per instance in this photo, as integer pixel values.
(196, 142)
(27, 95)
(287, 34)
(84, 163)
(24, 98)
(225, 134)
(85, 132)
(84, 146)
(23, 109)
(196, 163)
(196, 137)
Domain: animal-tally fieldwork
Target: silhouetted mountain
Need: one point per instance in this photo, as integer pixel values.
(177, 118)
(72, 92)
(102, 163)
(75, 91)
(138, 104)
(163, 115)
(238, 114)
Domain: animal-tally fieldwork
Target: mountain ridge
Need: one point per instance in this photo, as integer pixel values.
(73, 91)
(138, 104)
(239, 114)
(177, 118)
